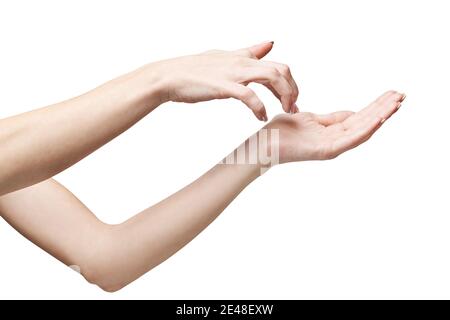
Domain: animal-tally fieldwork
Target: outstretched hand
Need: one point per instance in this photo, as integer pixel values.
(308, 136)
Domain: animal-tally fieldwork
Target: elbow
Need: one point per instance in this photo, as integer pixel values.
(108, 263)
(110, 287)
(102, 264)
(103, 276)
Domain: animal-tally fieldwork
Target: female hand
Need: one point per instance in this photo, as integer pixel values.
(307, 136)
(225, 74)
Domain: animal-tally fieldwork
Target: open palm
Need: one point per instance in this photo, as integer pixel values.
(308, 136)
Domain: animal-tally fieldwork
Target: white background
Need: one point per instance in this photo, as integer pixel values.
(374, 223)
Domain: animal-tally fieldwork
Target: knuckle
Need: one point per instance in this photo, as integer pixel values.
(258, 106)
(250, 54)
(237, 62)
(255, 104)
(247, 94)
(285, 70)
(246, 53)
(243, 61)
(274, 72)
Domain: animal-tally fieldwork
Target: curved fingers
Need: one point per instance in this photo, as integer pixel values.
(248, 97)
(383, 107)
(285, 71)
(355, 136)
(272, 78)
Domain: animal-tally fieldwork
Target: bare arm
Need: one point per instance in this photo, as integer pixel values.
(36, 145)
(112, 256)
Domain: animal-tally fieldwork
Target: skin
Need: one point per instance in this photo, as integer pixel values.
(112, 256)
(31, 153)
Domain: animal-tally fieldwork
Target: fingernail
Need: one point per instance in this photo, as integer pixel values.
(296, 110)
(382, 121)
(403, 97)
(399, 105)
(264, 115)
(272, 42)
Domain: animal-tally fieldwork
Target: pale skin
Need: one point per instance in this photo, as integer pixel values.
(39, 144)
(112, 256)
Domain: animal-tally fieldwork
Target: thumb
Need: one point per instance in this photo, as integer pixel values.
(256, 52)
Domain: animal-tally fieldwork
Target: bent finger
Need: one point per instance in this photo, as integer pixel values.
(249, 98)
(278, 84)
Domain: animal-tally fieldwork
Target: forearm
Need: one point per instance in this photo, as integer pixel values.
(38, 144)
(112, 256)
(149, 238)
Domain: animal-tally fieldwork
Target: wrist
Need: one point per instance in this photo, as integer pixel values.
(258, 153)
(160, 76)
(142, 87)
(150, 85)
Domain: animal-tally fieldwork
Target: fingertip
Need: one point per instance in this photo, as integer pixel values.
(261, 50)
(269, 44)
(264, 115)
(386, 96)
(258, 116)
(261, 114)
(262, 118)
(286, 104)
(403, 97)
